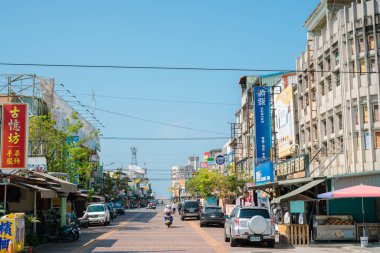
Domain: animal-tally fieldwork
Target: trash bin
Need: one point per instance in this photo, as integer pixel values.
(364, 241)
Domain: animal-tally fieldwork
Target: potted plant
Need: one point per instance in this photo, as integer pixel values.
(30, 239)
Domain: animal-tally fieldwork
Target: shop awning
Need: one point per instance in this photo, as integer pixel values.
(298, 190)
(45, 193)
(65, 186)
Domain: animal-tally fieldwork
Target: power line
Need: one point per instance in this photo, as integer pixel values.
(173, 68)
(158, 100)
(165, 139)
(153, 121)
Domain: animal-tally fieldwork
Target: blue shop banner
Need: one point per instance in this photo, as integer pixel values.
(264, 174)
(263, 132)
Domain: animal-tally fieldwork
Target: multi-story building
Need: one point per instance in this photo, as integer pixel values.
(179, 176)
(338, 89)
(243, 131)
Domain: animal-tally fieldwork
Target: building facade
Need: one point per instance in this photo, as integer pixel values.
(337, 93)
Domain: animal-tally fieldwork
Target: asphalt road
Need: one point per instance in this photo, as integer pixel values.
(141, 230)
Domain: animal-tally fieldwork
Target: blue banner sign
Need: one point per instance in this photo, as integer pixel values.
(263, 132)
(264, 174)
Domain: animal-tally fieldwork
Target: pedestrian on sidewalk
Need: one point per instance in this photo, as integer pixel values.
(173, 207)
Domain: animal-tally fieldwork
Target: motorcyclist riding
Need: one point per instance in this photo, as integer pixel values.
(168, 214)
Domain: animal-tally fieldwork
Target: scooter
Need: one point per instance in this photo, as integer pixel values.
(65, 233)
(76, 230)
(168, 220)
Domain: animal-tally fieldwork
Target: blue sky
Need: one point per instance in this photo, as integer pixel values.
(219, 34)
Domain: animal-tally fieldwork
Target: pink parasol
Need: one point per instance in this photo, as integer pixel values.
(358, 191)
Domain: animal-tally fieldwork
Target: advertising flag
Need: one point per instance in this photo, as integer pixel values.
(263, 131)
(14, 127)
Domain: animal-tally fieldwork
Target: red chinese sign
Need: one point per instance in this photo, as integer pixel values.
(14, 136)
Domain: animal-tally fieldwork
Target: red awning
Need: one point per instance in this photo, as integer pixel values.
(358, 191)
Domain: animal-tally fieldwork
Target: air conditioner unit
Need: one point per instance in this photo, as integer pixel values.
(377, 19)
(368, 20)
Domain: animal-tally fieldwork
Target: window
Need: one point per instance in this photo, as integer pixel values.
(372, 65)
(337, 78)
(322, 88)
(324, 127)
(361, 44)
(371, 42)
(377, 139)
(249, 213)
(352, 46)
(336, 54)
(340, 121)
(367, 140)
(353, 69)
(331, 125)
(362, 67)
(329, 84)
(356, 112)
(357, 139)
(365, 114)
(375, 113)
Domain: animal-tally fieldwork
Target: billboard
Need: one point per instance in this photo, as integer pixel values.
(263, 131)
(37, 164)
(284, 121)
(14, 136)
(264, 174)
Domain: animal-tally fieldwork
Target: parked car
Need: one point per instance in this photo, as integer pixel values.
(98, 214)
(112, 209)
(151, 205)
(250, 224)
(212, 215)
(120, 209)
(190, 208)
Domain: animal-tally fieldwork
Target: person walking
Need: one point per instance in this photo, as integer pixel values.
(173, 207)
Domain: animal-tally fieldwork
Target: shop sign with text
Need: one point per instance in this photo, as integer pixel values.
(14, 139)
(263, 132)
(293, 168)
(264, 174)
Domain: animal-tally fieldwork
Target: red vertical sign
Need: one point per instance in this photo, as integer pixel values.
(14, 127)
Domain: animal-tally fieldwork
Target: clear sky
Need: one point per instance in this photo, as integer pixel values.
(218, 34)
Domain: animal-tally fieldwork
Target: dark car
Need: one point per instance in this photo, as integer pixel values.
(120, 209)
(190, 208)
(212, 215)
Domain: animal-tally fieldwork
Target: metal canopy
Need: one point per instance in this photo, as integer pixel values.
(65, 186)
(45, 193)
(298, 190)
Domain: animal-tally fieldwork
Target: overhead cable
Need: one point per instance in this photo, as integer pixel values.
(174, 68)
(164, 139)
(153, 121)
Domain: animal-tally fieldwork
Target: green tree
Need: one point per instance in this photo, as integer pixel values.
(207, 183)
(63, 152)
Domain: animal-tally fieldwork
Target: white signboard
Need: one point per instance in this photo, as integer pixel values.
(37, 164)
(284, 121)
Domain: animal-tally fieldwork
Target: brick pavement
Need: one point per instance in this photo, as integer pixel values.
(143, 230)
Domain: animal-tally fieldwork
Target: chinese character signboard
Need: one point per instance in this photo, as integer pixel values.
(284, 121)
(262, 124)
(264, 174)
(12, 228)
(292, 168)
(14, 127)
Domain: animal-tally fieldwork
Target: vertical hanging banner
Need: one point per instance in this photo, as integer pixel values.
(263, 131)
(14, 127)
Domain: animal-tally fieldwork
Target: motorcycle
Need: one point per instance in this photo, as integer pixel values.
(76, 230)
(65, 233)
(168, 220)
